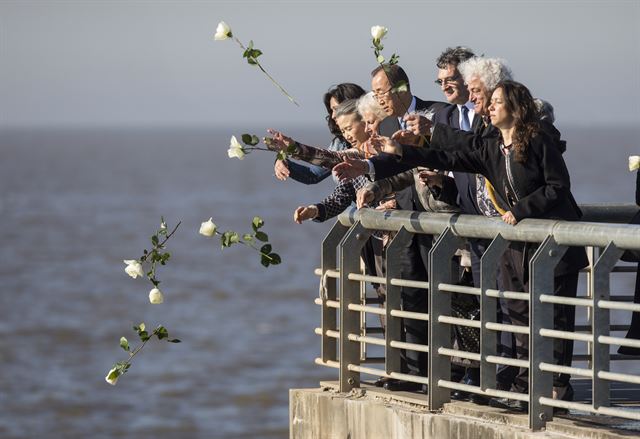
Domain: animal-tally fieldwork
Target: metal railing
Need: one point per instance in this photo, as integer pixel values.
(343, 335)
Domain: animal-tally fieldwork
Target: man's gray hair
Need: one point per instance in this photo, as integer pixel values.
(348, 107)
(367, 103)
(453, 56)
(489, 70)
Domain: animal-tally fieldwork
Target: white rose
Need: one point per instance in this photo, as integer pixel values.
(208, 228)
(236, 149)
(112, 376)
(634, 162)
(223, 31)
(378, 32)
(133, 268)
(155, 296)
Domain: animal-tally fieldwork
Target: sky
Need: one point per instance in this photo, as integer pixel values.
(155, 63)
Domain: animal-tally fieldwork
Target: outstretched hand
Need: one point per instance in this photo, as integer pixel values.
(406, 137)
(279, 142)
(417, 124)
(350, 168)
(304, 213)
(281, 170)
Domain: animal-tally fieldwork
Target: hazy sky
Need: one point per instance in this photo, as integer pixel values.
(154, 63)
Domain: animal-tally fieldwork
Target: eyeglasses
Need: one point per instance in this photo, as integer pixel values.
(448, 80)
(379, 95)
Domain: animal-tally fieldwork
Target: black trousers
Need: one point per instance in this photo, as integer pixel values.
(514, 278)
(634, 328)
(506, 340)
(414, 262)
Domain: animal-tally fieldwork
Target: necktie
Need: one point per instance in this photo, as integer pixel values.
(464, 122)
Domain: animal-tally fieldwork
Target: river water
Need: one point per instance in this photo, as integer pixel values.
(74, 204)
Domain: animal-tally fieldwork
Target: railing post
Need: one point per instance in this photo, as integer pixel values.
(541, 281)
(349, 255)
(600, 321)
(440, 271)
(329, 261)
(393, 331)
(488, 310)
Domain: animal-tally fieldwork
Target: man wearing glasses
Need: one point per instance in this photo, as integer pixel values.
(390, 86)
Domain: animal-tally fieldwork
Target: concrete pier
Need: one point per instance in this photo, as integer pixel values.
(373, 413)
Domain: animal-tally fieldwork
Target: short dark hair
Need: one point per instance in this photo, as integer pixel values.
(452, 56)
(395, 74)
(341, 93)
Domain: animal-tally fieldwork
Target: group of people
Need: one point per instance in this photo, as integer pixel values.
(491, 149)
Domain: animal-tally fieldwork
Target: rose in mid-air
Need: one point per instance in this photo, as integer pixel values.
(223, 31)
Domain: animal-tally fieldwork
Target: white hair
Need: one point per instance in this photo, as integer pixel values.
(489, 70)
(367, 103)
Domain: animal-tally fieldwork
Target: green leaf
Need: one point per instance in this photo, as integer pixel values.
(254, 140)
(162, 332)
(394, 59)
(246, 139)
(174, 340)
(257, 223)
(154, 239)
(124, 344)
(252, 61)
(281, 155)
(262, 236)
(275, 258)
(144, 335)
(264, 260)
(292, 148)
(229, 237)
(266, 249)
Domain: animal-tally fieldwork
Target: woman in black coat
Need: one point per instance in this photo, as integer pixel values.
(525, 167)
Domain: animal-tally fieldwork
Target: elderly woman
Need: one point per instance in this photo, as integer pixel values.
(311, 174)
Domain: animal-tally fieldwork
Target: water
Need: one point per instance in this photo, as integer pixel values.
(74, 204)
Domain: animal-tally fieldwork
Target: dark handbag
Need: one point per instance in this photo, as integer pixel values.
(465, 306)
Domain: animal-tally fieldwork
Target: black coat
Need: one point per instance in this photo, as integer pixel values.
(538, 188)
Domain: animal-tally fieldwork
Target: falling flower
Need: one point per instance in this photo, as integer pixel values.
(223, 31)
(378, 32)
(112, 376)
(235, 149)
(133, 268)
(208, 228)
(155, 296)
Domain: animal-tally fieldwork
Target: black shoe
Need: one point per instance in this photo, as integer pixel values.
(509, 404)
(380, 382)
(405, 386)
(460, 395)
(479, 399)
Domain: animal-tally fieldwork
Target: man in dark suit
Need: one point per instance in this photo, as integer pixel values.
(391, 87)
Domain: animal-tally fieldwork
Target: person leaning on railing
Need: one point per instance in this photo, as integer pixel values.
(634, 256)
(358, 120)
(312, 174)
(525, 166)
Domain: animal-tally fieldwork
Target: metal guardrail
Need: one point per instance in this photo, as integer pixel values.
(343, 335)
